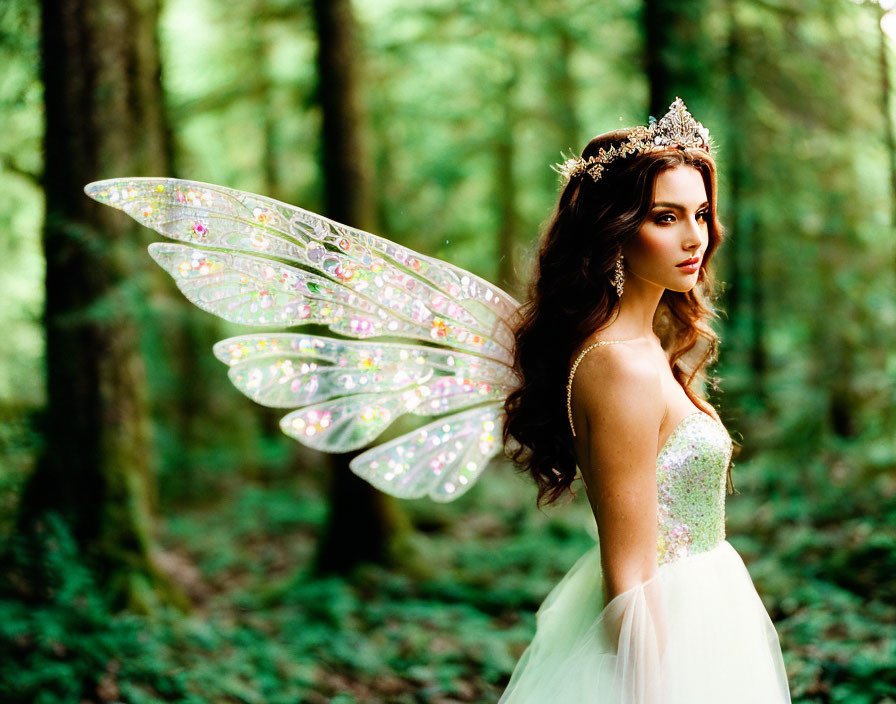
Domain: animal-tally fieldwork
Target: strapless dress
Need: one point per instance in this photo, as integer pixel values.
(696, 632)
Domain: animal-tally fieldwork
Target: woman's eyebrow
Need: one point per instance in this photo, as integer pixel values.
(677, 206)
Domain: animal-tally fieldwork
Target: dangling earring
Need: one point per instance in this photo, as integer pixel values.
(618, 279)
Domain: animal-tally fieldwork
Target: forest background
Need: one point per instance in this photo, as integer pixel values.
(164, 542)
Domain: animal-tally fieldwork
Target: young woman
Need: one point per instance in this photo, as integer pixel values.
(601, 370)
(616, 333)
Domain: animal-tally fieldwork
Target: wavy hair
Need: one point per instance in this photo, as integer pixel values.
(570, 297)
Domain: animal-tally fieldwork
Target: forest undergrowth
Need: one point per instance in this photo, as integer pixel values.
(264, 630)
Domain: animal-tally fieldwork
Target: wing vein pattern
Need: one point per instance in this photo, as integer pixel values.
(257, 261)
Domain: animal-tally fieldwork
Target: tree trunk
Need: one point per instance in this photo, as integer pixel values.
(886, 91)
(104, 116)
(886, 94)
(345, 160)
(675, 58)
(505, 184)
(745, 248)
(362, 521)
(562, 100)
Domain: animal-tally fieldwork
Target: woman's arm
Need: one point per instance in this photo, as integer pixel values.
(621, 396)
(622, 405)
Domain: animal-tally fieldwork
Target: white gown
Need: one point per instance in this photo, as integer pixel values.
(696, 632)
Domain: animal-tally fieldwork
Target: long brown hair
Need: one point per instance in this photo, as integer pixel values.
(570, 297)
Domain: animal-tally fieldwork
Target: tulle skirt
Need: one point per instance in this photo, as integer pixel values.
(695, 632)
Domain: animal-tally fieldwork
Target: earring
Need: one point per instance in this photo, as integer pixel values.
(618, 278)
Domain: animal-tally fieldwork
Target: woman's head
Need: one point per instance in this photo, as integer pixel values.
(675, 230)
(571, 295)
(596, 221)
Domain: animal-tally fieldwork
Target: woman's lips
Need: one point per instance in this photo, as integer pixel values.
(690, 266)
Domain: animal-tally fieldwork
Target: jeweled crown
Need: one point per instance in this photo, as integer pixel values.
(676, 128)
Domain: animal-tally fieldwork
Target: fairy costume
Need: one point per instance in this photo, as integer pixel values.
(695, 632)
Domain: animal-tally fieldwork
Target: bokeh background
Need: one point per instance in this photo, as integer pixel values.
(162, 541)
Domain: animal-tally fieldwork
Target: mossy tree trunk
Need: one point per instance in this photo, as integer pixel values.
(363, 522)
(104, 117)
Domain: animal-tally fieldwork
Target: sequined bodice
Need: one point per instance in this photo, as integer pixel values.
(690, 479)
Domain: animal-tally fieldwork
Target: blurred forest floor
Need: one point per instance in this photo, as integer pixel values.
(261, 632)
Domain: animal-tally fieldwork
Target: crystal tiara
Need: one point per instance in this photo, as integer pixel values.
(676, 128)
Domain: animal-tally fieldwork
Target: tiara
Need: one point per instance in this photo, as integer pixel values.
(676, 128)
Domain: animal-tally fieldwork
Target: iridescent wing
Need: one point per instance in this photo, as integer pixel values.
(257, 261)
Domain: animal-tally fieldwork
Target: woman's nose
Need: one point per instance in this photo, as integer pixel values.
(693, 235)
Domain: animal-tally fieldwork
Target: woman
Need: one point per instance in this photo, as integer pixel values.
(617, 332)
(610, 352)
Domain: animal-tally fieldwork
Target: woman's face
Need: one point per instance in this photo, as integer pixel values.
(675, 229)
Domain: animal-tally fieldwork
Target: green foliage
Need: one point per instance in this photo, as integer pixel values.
(75, 647)
(380, 635)
(807, 357)
(822, 561)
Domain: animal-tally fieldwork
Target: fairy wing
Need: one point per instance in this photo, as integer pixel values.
(257, 261)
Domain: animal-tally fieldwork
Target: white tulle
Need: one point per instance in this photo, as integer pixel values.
(695, 632)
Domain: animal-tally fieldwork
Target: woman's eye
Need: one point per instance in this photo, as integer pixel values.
(669, 217)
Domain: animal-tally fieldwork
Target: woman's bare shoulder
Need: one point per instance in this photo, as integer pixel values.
(620, 369)
(620, 384)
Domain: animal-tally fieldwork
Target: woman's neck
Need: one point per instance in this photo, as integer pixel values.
(637, 309)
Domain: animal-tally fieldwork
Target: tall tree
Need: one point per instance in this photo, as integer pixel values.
(104, 114)
(562, 86)
(676, 52)
(886, 93)
(886, 100)
(362, 520)
(505, 180)
(745, 301)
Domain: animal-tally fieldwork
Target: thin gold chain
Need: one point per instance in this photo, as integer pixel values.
(572, 373)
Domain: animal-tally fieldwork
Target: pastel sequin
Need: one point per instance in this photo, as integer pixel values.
(690, 475)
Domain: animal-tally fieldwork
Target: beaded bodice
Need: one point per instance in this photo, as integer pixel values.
(690, 478)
